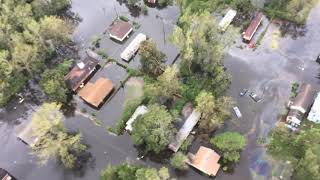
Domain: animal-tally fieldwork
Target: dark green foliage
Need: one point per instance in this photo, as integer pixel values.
(152, 60)
(153, 130)
(187, 143)
(95, 42)
(179, 161)
(124, 18)
(301, 148)
(53, 84)
(42, 8)
(294, 89)
(27, 40)
(129, 109)
(103, 54)
(127, 171)
(230, 144)
(296, 11)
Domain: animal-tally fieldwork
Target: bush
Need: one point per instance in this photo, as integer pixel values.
(103, 54)
(179, 161)
(187, 143)
(124, 18)
(96, 41)
(129, 109)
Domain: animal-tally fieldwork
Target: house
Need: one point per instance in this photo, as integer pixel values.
(133, 47)
(184, 131)
(5, 175)
(227, 19)
(251, 30)
(95, 93)
(24, 133)
(138, 112)
(301, 105)
(152, 1)
(314, 114)
(119, 30)
(80, 73)
(205, 160)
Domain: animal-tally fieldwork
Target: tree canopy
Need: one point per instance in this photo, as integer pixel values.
(213, 111)
(153, 130)
(301, 148)
(127, 171)
(53, 139)
(230, 144)
(152, 59)
(179, 161)
(27, 39)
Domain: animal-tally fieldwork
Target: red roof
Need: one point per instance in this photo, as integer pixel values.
(253, 27)
(119, 29)
(152, 1)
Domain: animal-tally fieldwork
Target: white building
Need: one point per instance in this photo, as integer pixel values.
(227, 19)
(133, 47)
(138, 112)
(314, 114)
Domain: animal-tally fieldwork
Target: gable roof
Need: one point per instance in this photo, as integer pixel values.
(304, 99)
(205, 160)
(119, 30)
(184, 131)
(253, 27)
(80, 72)
(95, 93)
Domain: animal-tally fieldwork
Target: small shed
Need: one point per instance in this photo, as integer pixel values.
(185, 130)
(24, 133)
(95, 93)
(314, 114)
(251, 30)
(133, 47)
(205, 160)
(138, 112)
(81, 73)
(227, 19)
(119, 30)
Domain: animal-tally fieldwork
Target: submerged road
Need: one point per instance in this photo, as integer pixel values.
(268, 71)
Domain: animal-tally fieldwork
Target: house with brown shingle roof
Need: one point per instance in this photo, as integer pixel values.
(119, 30)
(95, 93)
(205, 160)
(300, 105)
(80, 73)
(251, 30)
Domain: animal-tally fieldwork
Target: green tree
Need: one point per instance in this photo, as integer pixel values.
(153, 130)
(53, 83)
(213, 112)
(53, 138)
(127, 171)
(54, 29)
(152, 59)
(230, 144)
(43, 7)
(179, 161)
(309, 165)
(166, 86)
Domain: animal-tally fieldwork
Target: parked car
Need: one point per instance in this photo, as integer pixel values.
(4, 175)
(255, 97)
(243, 92)
(237, 112)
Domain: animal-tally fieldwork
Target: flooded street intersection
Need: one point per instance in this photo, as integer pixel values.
(268, 71)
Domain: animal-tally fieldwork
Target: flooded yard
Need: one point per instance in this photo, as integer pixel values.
(268, 71)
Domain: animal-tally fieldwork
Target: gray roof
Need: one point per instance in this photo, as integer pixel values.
(24, 133)
(184, 131)
(305, 97)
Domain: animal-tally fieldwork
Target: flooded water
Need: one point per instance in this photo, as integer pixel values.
(268, 71)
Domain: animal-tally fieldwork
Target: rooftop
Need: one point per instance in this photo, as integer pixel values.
(304, 99)
(138, 112)
(227, 19)
(133, 47)
(95, 93)
(253, 27)
(80, 73)
(314, 114)
(119, 30)
(206, 160)
(24, 133)
(185, 130)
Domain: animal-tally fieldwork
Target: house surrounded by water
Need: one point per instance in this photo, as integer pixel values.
(119, 30)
